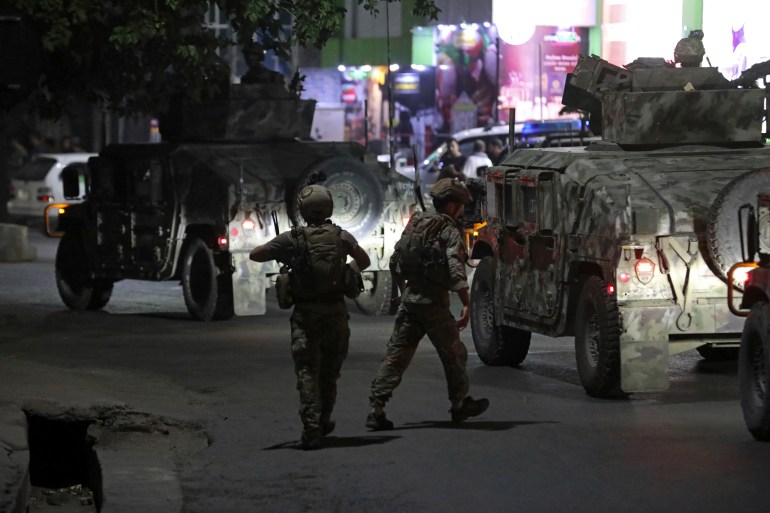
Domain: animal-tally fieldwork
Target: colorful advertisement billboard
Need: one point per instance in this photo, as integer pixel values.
(533, 73)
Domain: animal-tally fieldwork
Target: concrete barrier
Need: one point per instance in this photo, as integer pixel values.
(13, 244)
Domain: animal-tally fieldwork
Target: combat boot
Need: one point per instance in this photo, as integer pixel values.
(378, 422)
(311, 439)
(470, 408)
(327, 427)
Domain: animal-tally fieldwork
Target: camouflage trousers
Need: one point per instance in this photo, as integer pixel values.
(319, 344)
(413, 321)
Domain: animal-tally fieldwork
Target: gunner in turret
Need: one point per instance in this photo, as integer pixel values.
(254, 54)
(689, 51)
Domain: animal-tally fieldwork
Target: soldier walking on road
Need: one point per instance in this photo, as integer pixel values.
(428, 262)
(319, 323)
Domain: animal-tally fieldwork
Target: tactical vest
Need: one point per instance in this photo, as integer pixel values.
(420, 253)
(317, 272)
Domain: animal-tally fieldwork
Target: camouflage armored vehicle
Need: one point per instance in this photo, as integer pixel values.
(754, 278)
(191, 209)
(626, 243)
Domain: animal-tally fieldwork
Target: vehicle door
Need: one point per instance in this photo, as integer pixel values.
(151, 212)
(530, 256)
(112, 227)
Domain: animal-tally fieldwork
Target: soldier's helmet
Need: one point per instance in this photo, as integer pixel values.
(315, 202)
(451, 189)
(689, 51)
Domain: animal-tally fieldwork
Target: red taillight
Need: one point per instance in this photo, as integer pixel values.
(624, 277)
(45, 199)
(248, 224)
(222, 242)
(610, 289)
(645, 269)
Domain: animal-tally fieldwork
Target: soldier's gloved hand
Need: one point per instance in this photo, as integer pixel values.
(465, 317)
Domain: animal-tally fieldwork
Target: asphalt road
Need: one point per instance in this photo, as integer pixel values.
(543, 445)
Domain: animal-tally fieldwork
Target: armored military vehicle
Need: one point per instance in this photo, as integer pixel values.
(226, 181)
(626, 243)
(754, 278)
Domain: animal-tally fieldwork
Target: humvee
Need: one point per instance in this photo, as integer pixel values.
(192, 208)
(626, 243)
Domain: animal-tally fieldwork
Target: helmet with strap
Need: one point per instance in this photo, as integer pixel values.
(315, 202)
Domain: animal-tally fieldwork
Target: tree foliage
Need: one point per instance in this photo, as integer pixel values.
(132, 56)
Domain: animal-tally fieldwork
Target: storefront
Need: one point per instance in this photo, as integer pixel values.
(461, 76)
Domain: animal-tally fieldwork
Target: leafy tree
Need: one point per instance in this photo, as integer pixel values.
(132, 56)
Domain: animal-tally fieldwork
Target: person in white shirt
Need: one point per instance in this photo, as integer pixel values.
(477, 159)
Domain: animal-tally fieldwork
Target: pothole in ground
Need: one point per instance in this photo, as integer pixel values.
(80, 459)
(63, 469)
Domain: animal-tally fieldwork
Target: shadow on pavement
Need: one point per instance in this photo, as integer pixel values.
(483, 425)
(339, 442)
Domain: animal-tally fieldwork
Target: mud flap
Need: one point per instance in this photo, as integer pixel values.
(643, 364)
(249, 284)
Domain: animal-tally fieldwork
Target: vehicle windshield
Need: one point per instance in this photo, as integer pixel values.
(35, 170)
(433, 159)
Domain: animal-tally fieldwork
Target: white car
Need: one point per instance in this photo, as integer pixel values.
(38, 183)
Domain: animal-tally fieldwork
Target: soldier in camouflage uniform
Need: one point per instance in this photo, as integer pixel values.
(429, 261)
(319, 322)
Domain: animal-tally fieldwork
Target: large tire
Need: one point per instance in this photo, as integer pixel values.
(495, 345)
(356, 190)
(208, 291)
(723, 241)
(377, 297)
(78, 290)
(753, 367)
(597, 340)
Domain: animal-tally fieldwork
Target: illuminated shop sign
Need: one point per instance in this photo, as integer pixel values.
(407, 83)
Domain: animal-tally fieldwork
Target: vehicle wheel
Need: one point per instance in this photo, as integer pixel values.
(357, 193)
(379, 290)
(753, 366)
(718, 354)
(102, 291)
(495, 345)
(723, 240)
(597, 340)
(208, 291)
(78, 290)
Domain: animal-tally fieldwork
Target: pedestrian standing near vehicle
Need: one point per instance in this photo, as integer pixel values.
(495, 151)
(316, 254)
(477, 159)
(429, 262)
(453, 155)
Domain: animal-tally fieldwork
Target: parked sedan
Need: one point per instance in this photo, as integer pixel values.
(38, 183)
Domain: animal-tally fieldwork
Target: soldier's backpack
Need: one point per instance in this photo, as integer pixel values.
(419, 253)
(318, 270)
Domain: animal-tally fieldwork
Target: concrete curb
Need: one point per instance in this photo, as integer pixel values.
(13, 244)
(137, 473)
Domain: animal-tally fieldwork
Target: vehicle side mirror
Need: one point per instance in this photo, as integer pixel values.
(749, 234)
(71, 177)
